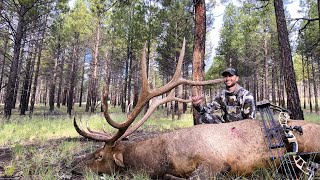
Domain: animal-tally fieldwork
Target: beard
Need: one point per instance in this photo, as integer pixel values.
(231, 85)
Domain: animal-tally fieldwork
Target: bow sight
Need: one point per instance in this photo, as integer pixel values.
(282, 143)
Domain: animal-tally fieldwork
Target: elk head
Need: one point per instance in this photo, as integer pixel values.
(110, 158)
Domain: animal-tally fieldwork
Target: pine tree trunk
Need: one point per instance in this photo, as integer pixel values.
(261, 80)
(45, 91)
(65, 94)
(148, 69)
(88, 102)
(273, 92)
(26, 83)
(309, 84)
(32, 75)
(3, 64)
(316, 105)
(120, 88)
(61, 72)
(19, 78)
(293, 100)
(11, 85)
(73, 72)
(125, 88)
(304, 83)
(265, 69)
(255, 85)
(82, 80)
(94, 81)
(130, 74)
(199, 51)
(53, 81)
(282, 85)
(36, 75)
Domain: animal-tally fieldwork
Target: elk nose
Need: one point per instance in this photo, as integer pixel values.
(78, 165)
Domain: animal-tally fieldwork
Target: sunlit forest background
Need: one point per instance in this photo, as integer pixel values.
(56, 55)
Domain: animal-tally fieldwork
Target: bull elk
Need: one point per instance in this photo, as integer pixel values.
(237, 147)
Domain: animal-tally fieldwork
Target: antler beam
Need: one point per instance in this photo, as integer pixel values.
(145, 95)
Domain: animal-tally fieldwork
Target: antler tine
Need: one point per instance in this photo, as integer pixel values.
(143, 98)
(105, 110)
(145, 95)
(177, 73)
(90, 135)
(96, 132)
(122, 127)
(155, 103)
(177, 79)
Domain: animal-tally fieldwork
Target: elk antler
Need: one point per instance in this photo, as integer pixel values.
(155, 103)
(145, 95)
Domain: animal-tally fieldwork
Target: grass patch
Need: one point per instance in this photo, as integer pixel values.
(46, 161)
(312, 117)
(38, 152)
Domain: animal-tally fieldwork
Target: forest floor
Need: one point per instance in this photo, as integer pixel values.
(30, 157)
(65, 169)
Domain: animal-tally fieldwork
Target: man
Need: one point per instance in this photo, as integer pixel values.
(235, 102)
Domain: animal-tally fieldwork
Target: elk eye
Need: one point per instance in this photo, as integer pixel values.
(99, 158)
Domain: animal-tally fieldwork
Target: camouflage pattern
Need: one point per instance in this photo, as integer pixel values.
(235, 106)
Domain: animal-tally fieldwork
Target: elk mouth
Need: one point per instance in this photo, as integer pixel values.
(78, 165)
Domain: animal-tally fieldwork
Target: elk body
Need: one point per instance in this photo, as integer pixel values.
(237, 147)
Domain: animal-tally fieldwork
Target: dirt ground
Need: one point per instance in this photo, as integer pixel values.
(6, 155)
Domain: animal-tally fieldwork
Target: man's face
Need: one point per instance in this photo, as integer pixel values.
(230, 80)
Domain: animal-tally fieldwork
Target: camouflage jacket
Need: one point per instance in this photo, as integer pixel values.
(235, 106)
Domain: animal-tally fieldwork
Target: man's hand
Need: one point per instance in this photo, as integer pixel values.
(196, 100)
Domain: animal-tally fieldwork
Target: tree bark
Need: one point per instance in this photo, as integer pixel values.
(61, 72)
(293, 100)
(73, 72)
(94, 80)
(315, 89)
(13, 74)
(125, 83)
(53, 81)
(255, 85)
(266, 67)
(273, 92)
(26, 82)
(36, 74)
(303, 82)
(309, 84)
(199, 51)
(82, 80)
(130, 73)
(3, 64)
(148, 69)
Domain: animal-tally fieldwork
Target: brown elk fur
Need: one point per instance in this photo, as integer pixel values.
(237, 148)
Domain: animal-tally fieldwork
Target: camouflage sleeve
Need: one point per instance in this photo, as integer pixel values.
(249, 108)
(213, 106)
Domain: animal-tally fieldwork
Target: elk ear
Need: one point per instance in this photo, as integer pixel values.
(118, 158)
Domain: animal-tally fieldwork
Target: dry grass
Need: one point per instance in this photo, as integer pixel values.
(45, 146)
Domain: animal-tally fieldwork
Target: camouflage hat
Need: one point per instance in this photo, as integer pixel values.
(229, 70)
